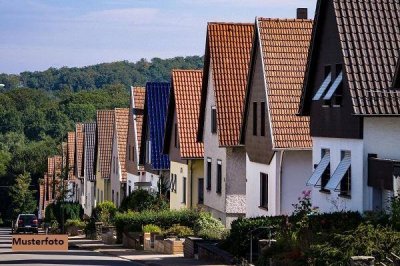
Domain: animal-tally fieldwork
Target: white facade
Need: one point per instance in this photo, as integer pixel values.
(381, 137)
(360, 199)
(231, 202)
(287, 173)
(143, 177)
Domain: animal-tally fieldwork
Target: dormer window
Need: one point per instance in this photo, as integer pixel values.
(325, 84)
(335, 92)
(331, 91)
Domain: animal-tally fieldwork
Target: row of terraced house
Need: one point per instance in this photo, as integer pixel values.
(281, 106)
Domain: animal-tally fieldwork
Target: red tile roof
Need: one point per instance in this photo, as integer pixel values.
(121, 129)
(186, 86)
(79, 149)
(50, 166)
(71, 155)
(369, 35)
(228, 48)
(139, 94)
(58, 166)
(285, 44)
(105, 130)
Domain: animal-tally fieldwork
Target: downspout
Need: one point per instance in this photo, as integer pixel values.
(279, 181)
(191, 183)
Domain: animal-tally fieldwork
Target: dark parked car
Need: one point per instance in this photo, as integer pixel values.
(26, 223)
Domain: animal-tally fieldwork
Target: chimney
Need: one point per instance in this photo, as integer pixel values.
(302, 13)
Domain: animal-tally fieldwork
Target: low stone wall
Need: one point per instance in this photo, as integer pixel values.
(210, 252)
(191, 246)
(132, 240)
(169, 246)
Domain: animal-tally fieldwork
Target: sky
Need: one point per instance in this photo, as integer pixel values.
(38, 34)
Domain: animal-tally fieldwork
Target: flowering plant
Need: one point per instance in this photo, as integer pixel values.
(304, 206)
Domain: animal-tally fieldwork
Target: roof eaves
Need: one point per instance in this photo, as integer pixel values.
(304, 109)
(203, 101)
(265, 84)
(242, 133)
(169, 121)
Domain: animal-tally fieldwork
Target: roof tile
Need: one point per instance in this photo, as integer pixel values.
(229, 47)
(121, 129)
(285, 44)
(187, 91)
(105, 130)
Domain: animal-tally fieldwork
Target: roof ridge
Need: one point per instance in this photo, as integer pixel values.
(284, 19)
(187, 70)
(229, 23)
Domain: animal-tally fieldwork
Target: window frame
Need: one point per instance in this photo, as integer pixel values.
(213, 120)
(184, 190)
(326, 175)
(209, 174)
(262, 116)
(219, 177)
(255, 117)
(264, 191)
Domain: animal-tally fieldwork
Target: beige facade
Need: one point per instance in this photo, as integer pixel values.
(185, 181)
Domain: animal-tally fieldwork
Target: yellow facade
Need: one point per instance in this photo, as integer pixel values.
(185, 179)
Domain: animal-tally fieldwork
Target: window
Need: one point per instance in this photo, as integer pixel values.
(200, 191)
(334, 89)
(341, 178)
(263, 119)
(219, 176)
(345, 184)
(326, 175)
(175, 183)
(209, 165)
(133, 153)
(112, 196)
(263, 190)
(102, 196)
(129, 190)
(325, 84)
(320, 169)
(148, 151)
(117, 200)
(176, 135)
(184, 190)
(213, 119)
(254, 119)
(129, 153)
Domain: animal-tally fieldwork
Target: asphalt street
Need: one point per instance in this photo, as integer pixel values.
(70, 257)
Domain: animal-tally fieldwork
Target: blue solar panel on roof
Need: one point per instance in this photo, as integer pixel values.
(157, 95)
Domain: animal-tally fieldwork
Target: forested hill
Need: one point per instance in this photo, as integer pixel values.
(37, 109)
(98, 76)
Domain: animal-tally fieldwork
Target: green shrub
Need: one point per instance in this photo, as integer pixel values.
(178, 231)
(335, 222)
(134, 221)
(49, 213)
(151, 228)
(72, 227)
(208, 227)
(365, 240)
(77, 223)
(238, 240)
(105, 212)
(141, 200)
(54, 211)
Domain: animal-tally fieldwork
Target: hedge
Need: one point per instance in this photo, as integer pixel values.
(238, 241)
(134, 221)
(71, 211)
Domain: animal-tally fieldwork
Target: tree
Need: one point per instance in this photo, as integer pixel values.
(21, 195)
